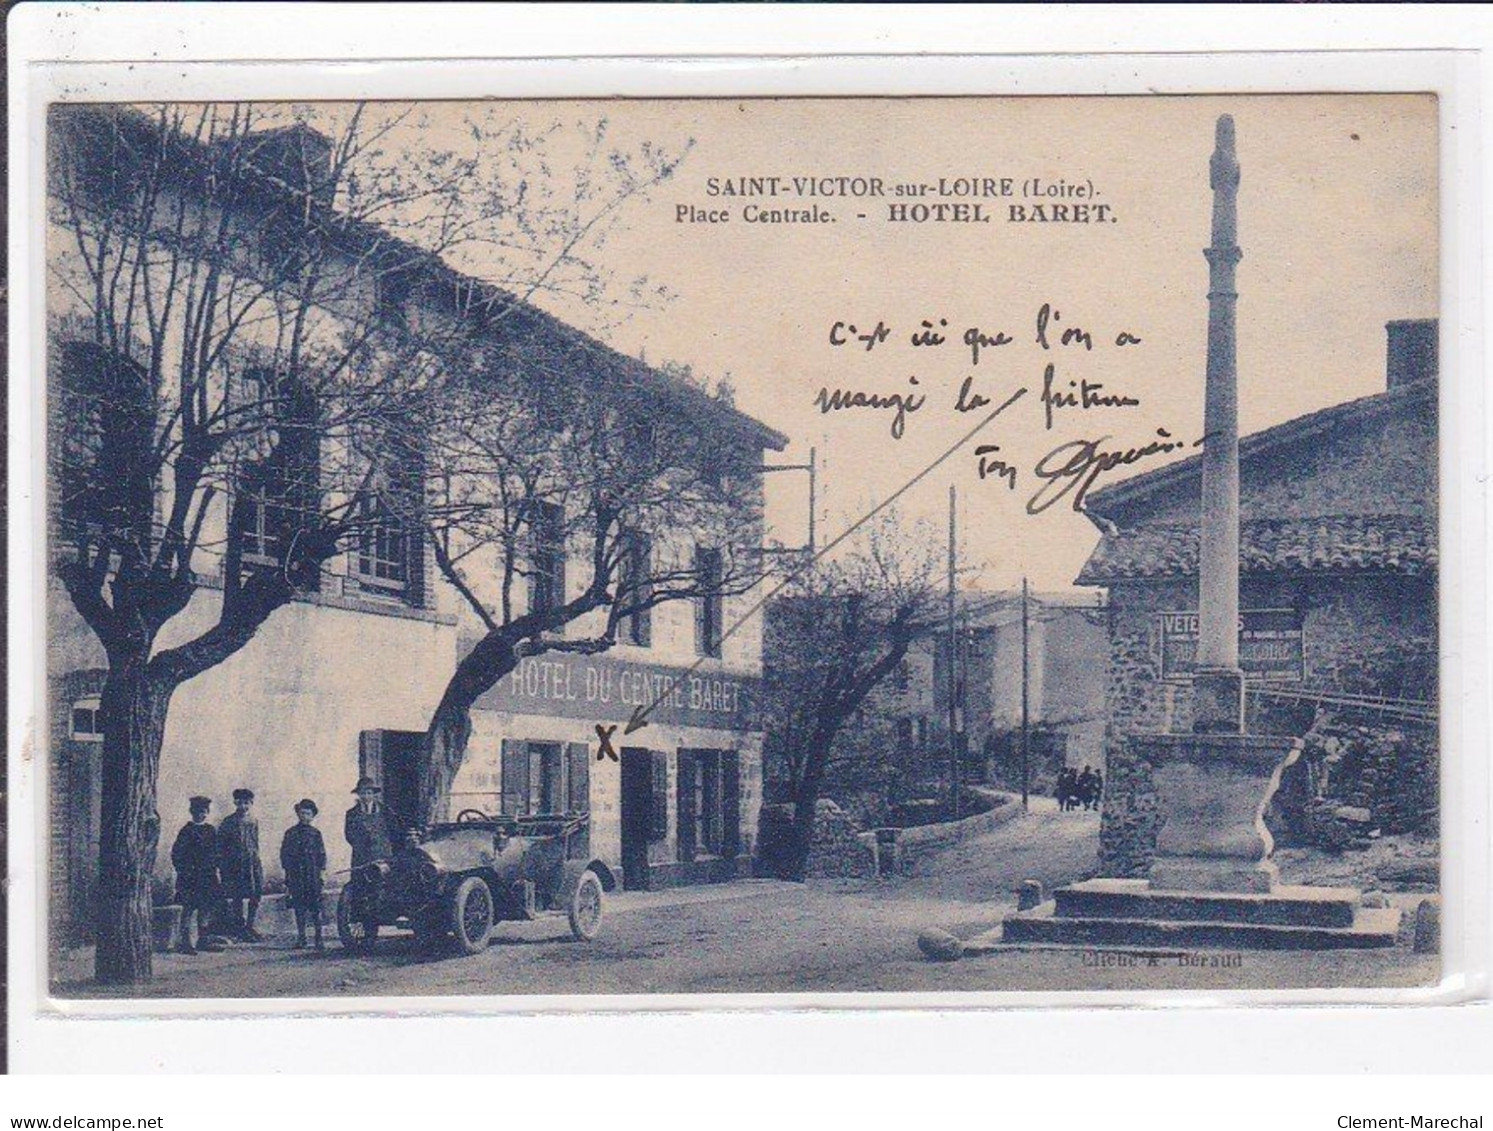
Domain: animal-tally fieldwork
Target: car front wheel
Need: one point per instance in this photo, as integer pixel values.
(351, 930)
(585, 907)
(472, 915)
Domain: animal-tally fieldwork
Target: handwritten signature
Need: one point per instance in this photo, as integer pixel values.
(1070, 469)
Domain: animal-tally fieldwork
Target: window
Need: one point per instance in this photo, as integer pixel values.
(640, 444)
(547, 556)
(84, 725)
(709, 803)
(708, 606)
(904, 735)
(902, 677)
(545, 777)
(637, 563)
(383, 546)
(388, 557)
(278, 496)
(391, 290)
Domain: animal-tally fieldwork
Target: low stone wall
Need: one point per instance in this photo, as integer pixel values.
(915, 843)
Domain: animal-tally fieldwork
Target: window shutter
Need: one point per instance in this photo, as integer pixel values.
(686, 807)
(659, 826)
(515, 777)
(578, 799)
(730, 804)
(371, 755)
(533, 804)
(702, 606)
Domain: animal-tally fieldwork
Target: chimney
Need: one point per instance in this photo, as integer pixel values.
(1411, 354)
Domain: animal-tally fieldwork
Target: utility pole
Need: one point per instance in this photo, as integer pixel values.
(1026, 683)
(953, 668)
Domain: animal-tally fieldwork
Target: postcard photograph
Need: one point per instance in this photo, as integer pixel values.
(742, 546)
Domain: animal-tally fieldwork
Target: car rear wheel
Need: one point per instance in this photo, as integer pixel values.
(585, 907)
(352, 931)
(472, 915)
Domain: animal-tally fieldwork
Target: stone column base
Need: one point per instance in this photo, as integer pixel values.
(1218, 701)
(1212, 790)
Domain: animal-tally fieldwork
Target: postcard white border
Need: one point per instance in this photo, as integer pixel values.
(121, 52)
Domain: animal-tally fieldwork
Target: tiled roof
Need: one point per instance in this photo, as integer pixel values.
(1121, 501)
(1403, 544)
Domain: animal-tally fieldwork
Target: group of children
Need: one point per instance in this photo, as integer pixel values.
(220, 879)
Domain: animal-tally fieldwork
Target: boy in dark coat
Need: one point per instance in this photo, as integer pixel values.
(195, 858)
(303, 855)
(239, 864)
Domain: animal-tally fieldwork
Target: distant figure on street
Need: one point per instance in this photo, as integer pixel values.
(369, 828)
(240, 866)
(195, 858)
(1067, 789)
(303, 855)
(1087, 792)
(1098, 789)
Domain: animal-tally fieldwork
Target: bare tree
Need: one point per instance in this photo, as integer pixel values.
(839, 630)
(247, 319)
(583, 490)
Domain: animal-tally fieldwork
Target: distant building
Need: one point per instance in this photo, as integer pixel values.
(1338, 565)
(904, 724)
(1065, 681)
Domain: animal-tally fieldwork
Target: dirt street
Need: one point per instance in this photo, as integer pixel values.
(765, 936)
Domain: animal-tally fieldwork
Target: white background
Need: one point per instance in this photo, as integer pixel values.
(1197, 1034)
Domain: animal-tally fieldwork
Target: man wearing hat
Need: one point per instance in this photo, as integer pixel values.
(304, 858)
(368, 832)
(239, 865)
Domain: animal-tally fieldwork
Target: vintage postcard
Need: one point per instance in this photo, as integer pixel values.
(742, 546)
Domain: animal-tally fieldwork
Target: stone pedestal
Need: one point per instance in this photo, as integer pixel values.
(1218, 701)
(1212, 883)
(1212, 790)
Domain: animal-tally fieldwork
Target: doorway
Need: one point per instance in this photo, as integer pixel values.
(637, 815)
(392, 758)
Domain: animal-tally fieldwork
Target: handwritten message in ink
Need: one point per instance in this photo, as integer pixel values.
(1069, 393)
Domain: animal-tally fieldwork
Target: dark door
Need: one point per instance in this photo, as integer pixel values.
(730, 804)
(400, 752)
(688, 807)
(637, 815)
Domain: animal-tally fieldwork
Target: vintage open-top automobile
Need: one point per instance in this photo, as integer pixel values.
(460, 878)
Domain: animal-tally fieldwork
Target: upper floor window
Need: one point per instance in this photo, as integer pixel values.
(391, 291)
(383, 546)
(279, 494)
(546, 522)
(902, 677)
(709, 606)
(633, 590)
(388, 555)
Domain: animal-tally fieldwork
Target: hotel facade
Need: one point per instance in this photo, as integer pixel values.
(342, 682)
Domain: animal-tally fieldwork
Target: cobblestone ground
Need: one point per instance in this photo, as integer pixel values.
(767, 937)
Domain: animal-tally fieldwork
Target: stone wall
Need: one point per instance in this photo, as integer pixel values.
(1363, 635)
(839, 850)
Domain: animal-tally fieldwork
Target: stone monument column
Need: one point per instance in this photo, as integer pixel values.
(1218, 693)
(1211, 881)
(1212, 786)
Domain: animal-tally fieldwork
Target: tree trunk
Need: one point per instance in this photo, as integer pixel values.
(445, 746)
(133, 706)
(445, 749)
(806, 799)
